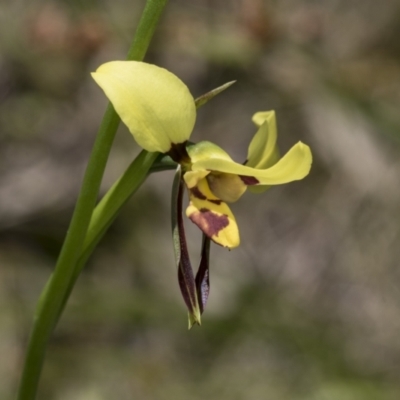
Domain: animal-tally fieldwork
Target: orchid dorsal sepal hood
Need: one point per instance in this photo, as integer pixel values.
(153, 103)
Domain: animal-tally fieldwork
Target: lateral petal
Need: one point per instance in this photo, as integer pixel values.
(294, 165)
(263, 151)
(154, 104)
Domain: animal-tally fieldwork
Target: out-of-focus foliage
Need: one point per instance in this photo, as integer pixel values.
(309, 306)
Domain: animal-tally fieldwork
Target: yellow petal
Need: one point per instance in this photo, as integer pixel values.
(212, 216)
(293, 166)
(205, 150)
(156, 106)
(193, 177)
(263, 151)
(260, 117)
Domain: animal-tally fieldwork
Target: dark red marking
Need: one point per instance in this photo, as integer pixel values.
(179, 153)
(209, 222)
(249, 180)
(216, 201)
(197, 193)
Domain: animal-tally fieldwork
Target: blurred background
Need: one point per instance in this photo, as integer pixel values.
(308, 307)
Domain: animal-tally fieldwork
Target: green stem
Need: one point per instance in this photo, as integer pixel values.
(53, 297)
(112, 202)
(110, 205)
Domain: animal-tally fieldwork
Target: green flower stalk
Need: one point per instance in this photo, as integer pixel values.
(78, 244)
(160, 112)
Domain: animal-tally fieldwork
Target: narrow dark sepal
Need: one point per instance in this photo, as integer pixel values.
(186, 279)
(203, 274)
(187, 285)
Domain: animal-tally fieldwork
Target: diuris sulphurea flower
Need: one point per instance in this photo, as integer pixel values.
(160, 112)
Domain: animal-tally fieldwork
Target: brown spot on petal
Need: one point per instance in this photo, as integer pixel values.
(197, 193)
(209, 222)
(249, 180)
(216, 201)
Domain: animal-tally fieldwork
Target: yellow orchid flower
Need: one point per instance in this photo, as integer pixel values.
(160, 112)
